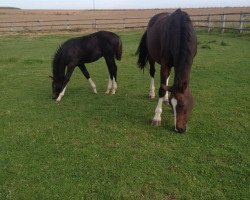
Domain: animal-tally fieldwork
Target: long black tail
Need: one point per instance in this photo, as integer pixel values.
(118, 52)
(142, 52)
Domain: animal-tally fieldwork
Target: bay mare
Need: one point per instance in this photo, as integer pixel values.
(170, 40)
(78, 51)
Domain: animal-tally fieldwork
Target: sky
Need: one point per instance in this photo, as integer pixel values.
(120, 4)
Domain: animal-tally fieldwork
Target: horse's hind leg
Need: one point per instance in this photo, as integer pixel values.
(152, 79)
(87, 76)
(112, 84)
(69, 72)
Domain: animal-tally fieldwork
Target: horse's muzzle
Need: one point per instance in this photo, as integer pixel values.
(54, 96)
(181, 130)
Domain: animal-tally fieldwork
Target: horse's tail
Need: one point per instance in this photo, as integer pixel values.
(142, 52)
(118, 51)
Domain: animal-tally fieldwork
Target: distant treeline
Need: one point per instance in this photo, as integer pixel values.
(10, 8)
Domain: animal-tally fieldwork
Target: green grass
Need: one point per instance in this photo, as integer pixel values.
(103, 147)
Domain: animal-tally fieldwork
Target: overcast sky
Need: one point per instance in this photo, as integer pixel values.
(111, 4)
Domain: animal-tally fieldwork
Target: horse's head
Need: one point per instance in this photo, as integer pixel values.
(182, 103)
(56, 88)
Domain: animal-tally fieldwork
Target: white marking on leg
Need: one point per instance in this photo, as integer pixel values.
(152, 88)
(114, 86)
(92, 85)
(166, 95)
(158, 111)
(109, 86)
(174, 104)
(61, 95)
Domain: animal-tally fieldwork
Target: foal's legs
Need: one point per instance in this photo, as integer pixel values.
(162, 92)
(69, 72)
(152, 82)
(112, 85)
(87, 76)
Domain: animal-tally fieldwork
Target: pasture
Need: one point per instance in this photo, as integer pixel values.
(103, 147)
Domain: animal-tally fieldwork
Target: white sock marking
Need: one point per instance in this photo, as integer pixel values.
(152, 88)
(174, 104)
(61, 95)
(114, 86)
(166, 95)
(158, 110)
(93, 85)
(109, 86)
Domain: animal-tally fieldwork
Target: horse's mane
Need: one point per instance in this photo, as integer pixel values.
(57, 70)
(179, 39)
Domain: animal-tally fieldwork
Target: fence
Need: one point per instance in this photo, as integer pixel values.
(235, 21)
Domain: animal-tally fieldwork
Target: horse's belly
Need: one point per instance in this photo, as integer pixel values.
(92, 57)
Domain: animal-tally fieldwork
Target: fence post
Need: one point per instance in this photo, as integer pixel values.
(241, 22)
(12, 27)
(39, 25)
(209, 23)
(223, 19)
(95, 24)
(123, 22)
(67, 25)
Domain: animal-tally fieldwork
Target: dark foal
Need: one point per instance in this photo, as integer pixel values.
(170, 40)
(78, 51)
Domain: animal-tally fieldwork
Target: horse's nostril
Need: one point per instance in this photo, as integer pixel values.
(181, 130)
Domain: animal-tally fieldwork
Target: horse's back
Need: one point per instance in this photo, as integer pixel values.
(109, 43)
(155, 36)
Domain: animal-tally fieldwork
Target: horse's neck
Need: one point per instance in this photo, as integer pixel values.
(58, 73)
(181, 81)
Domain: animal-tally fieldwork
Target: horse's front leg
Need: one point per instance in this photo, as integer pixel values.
(87, 76)
(162, 92)
(66, 80)
(152, 82)
(165, 99)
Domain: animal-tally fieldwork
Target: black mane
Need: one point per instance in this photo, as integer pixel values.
(180, 37)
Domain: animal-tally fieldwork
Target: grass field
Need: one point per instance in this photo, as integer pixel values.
(103, 147)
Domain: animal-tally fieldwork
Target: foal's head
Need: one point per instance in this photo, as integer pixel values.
(56, 88)
(182, 103)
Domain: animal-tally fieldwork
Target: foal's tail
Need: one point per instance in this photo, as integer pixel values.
(142, 52)
(118, 51)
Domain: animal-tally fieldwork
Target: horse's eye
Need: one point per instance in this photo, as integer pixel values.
(180, 106)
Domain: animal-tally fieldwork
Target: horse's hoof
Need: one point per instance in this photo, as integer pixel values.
(151, 97)
(156, 122)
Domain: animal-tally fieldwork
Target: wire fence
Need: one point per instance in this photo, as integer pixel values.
(225, 21)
